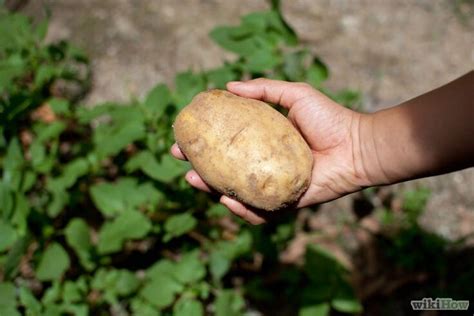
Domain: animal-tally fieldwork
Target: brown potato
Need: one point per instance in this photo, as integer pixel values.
(244, 149)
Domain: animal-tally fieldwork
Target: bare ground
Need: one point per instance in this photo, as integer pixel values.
(389, 50)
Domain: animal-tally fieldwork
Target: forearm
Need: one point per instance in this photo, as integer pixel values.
(428, 135)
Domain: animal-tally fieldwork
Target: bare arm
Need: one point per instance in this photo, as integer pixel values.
(428, 135)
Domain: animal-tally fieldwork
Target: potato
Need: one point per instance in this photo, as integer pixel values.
(244, 149)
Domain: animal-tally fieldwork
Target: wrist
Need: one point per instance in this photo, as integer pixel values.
(368, 164)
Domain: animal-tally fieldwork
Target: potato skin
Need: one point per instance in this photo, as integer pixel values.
(244, 149)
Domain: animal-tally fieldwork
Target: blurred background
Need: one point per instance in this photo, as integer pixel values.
(390, 51)
(387, 51)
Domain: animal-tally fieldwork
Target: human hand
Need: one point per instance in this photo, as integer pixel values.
(330, 130)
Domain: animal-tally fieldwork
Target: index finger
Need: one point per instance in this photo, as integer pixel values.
(283, 93)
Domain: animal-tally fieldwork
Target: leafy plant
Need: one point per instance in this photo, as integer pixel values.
(31, 70)
(95, 216)
(409, 245)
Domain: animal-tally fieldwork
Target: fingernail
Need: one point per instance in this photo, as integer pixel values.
(225, 200)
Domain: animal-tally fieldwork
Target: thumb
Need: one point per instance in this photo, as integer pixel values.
(278, 92)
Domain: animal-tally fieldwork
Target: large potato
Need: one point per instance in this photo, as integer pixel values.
(245, 149)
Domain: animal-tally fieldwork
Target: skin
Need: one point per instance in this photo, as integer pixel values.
(428, 135)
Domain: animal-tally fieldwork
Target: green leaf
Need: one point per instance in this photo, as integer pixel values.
(347, 305)
(110, 140)
(8, 236)
(59, 106)
(109, 198)
(125, 194)
(45, 74)
(293, 65)
(315, 310)
(319, 292)
(38, 156)
(54, 262)
(12, 165)
(126, 125)
(7, 295)
(9, 311)
(219, 264)
(126, 283)
(218, 78)
(157, 100)
(178, 225)
(29, 179)
(258, 21)
(14, 156)
(165, 170)
(235, 39)
(261, 60)
(77, 54)
(115, 283)
(317, 73)
(41, 30)
(203, 289)
(161, 290)
(76, 310)
(246, 38)
(86, 115)
(52, 294)
(414, 202)
(10, 68)
(27, 299)
(15, 32)
(46, 132)
(6, 200)
(142, 308)
(14, 256)
(188, 307)
(344, 299)
(59, 200)
(217, 210)
(321, 267)
(277, 23)
(72, 171)
(284, 232)
(161, 267)
(239, 246)
(190, 268)
(53, 309)
(78, 238)
(128, 225)
(71, 293)
(229, 303)
(20, 213)
(188, 84)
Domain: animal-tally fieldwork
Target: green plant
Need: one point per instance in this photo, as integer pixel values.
(99, 220)
(409, 246)
(31, 70)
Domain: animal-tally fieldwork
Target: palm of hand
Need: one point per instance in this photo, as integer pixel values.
(326, 127)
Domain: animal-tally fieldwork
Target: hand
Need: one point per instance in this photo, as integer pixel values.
(330, 130)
